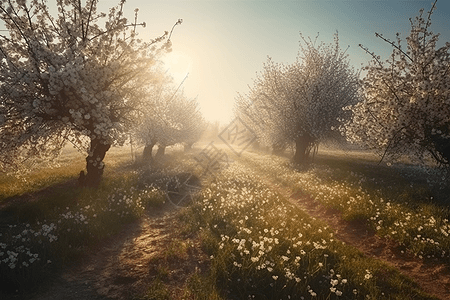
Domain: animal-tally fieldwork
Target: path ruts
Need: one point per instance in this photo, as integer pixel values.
(433, 278)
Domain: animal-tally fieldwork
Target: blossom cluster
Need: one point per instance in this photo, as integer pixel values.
(302, 100)
(21, 255)
(170, 118)
(406, 98)
(67, 78)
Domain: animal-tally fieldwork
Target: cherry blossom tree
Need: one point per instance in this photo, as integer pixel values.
(172, 118)
(406, 105)
(193, 124)
(80, 76)
(264, 109)
(301, 102)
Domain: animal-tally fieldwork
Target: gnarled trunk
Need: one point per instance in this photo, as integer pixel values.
(160, 152)
(94, 163)
(303, 146)
(147, 153)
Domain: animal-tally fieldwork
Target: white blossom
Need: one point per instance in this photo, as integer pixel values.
(79, 76)
(406, 105)
(300, 102)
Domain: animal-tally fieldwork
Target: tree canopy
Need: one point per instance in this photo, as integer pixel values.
(406, 105)
(170, 118)
(80, 76)
(300, 102)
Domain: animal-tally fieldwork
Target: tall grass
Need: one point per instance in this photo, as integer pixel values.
(392, 205)
(51, 228)
(263, 247)
(259, 245)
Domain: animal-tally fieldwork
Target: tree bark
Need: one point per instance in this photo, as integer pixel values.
(94, 163)
(160, 152)
(441, 145)
(303, 146)
(147, 153)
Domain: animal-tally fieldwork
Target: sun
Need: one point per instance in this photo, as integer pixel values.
(189, 73)
(178, 64)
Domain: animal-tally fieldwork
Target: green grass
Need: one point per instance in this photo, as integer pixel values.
(263, 247)
(51, 227)
(392, 204)
(65, 169)
(157, 291)
(258, 244)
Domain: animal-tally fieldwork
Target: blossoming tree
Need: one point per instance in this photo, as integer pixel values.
(300, 103)
(265, 107)
(171, 119)
(407, 98)
(80, 76)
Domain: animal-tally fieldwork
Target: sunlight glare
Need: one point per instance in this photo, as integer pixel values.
(182, 66)
(178, 64)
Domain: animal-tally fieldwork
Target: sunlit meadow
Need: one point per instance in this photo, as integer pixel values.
(259, 244)
(263, 247)
(50, 230)
(404, 212)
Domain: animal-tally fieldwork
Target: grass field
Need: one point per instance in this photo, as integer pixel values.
(258, 243)
(262, 246)
(47, 220)
(395, 202)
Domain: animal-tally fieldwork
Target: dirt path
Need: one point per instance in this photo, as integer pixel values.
(121, 267)
(433, 278)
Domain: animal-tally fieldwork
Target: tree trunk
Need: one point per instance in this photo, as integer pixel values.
(94, 163)
(147, 153)
(440, 148)
(303, 146)
(160, 153)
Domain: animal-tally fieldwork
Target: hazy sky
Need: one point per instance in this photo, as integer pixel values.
(223, 44)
